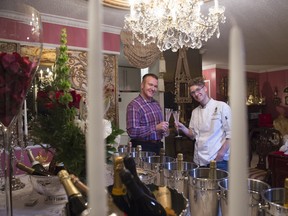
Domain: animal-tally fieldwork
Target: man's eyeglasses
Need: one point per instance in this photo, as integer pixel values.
(196, 91)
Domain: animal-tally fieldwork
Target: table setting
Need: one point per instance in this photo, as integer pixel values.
(27, 201)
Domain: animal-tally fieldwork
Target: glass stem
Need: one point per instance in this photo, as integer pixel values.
(8, 170)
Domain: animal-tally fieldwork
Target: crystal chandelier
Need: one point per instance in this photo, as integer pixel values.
(173, 24)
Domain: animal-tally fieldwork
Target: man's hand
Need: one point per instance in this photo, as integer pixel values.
(162, 126)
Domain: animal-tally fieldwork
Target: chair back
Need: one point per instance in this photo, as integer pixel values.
(265, 120)
(263, 141)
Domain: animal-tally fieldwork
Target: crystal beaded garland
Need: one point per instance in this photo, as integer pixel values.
(173, 24)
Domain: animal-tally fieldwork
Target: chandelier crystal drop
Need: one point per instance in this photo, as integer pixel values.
(173, 24)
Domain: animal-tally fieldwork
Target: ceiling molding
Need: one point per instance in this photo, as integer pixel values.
(60, 20)
(249, 68)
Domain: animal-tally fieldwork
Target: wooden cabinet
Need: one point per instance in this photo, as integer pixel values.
(278, 164)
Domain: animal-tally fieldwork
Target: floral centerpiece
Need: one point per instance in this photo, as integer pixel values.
(59, 124)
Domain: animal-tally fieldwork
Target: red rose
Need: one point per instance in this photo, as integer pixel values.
(58, 94)
(49, 105)
(15, 79)
(42, 95)
(76, 99)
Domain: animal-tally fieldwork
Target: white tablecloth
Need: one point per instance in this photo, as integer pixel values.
(22, 196)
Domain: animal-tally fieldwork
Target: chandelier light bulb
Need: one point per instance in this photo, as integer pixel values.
(173, 24)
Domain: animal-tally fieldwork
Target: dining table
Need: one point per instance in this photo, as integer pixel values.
(27, 202)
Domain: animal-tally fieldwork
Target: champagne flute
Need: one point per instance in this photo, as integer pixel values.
(176, 115)
(168, 113)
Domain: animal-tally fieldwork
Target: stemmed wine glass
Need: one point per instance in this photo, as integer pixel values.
(176, 115)
(168, 113)
(19, 22)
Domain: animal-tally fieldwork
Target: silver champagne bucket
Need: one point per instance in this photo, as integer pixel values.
(178, 178)
(123, 151)
(274, 201)
(156, 164)
(203, 191)
(255, 188)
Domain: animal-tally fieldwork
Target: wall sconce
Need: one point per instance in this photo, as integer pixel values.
(46, 77)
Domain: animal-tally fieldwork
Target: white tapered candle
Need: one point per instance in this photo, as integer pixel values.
(238, 165)
(216, 4)
(95, 138)
(25, 119)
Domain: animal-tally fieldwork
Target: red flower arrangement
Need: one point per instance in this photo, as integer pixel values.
(45, 100)
(16, 74)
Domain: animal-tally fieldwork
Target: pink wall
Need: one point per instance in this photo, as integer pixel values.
(268, 81)
(51, 34)
(210, 74)
(78, 37)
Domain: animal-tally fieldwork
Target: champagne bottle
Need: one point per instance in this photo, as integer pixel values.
(58, 167)
(77, 206)
(162, 161)
(146, 205)
(138, 157)
(35, 164)
(83, 188)
(212, 170)
(30, 170)
(138, 150)
(163, 194)
(119, 192)
(129, 148)
(113, 210)
(179, 161)
(286, 193)
(162, 155)
(131, 166)
(52, 165)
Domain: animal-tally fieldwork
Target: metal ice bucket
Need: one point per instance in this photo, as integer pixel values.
(274, 200)
(203, 192)
(154, 163)
(255, 188)
(178, 179)
(123, 152)
(124, 149)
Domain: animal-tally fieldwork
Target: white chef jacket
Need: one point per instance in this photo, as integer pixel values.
(212, 126)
